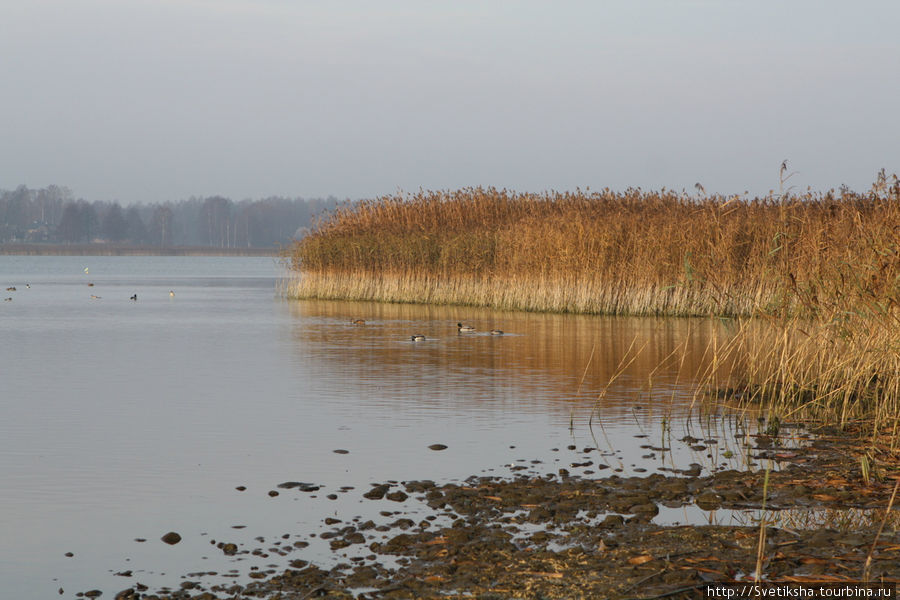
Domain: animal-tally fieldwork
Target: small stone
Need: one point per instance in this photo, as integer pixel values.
(300, 485)
(377, 492)
(341, 451)
(273, 493)
(437, 447)
(171, 538)
(229, 549)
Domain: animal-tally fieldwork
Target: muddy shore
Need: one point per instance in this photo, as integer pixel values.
(575, 535)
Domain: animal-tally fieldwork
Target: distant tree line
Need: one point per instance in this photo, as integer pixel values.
(53, 215)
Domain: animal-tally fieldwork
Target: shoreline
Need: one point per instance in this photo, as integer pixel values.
(577, 535)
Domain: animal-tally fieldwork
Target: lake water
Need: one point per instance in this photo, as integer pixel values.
(123, 420)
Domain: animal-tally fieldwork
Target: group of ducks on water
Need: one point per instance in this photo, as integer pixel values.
(418, 337)
(93, 296)
(134, 297)
(12, 289)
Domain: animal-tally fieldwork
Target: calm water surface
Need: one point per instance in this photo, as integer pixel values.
(124, 419)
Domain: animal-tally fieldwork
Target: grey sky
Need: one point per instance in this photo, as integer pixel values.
(154, 100)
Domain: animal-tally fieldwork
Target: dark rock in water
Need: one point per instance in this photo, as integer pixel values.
(70, 554)
(273, 493)
(419, 486)
(124, 574)
(437, 447)
(300, 485)
(377, 492)
(709, 501)
(93, 594)
(355, 538)
(341, 451)
(241, 488)
(397, 496)
(693, 470)
(171, 538)
(228, 549)
(128, 594)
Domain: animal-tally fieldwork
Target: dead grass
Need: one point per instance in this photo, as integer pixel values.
(603, 252)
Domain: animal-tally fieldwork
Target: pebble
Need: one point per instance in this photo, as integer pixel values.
(171, 538)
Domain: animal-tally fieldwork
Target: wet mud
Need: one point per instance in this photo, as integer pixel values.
(571, 535)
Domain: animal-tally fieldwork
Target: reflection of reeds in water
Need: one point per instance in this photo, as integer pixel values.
(566, 357)
(812, 519)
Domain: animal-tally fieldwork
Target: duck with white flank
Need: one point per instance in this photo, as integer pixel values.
(464, 328)
(417, 338)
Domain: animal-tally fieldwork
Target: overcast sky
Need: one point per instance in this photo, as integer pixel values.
(155, 100)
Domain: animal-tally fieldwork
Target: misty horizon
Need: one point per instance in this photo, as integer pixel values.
(155, 101)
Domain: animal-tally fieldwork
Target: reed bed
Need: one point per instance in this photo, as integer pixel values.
(635, 252)
(811, 281)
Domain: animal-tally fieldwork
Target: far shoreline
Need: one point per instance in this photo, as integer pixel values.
(128, 250)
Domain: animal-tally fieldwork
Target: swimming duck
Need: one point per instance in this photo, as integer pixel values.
(496, 332)
(10, 289)
(417, 338)
(358, 322)
(464, 328)
(93, 297)
(134, 298)
(171, 294)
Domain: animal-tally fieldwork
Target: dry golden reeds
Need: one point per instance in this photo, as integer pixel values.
(603, 252)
